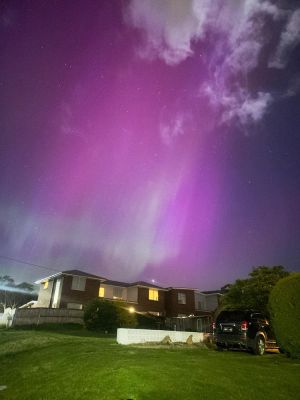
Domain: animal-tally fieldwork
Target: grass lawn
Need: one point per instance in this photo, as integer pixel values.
(45, 365)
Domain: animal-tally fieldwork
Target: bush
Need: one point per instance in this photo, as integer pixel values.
(284, 305)
(146, 321)
(103, 315)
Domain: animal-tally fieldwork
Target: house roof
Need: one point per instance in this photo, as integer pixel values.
(72, 272)
(82, 273)
(116, 283)
(180, 288)
(147, 285)
(212, 291)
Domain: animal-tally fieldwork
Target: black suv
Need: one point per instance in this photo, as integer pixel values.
(243, 329)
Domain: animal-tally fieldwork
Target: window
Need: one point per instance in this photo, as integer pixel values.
(117, 293)
(153, 294)
(181, 298)
(200, 305)
(46, 285)
(74, 306)
(78, 283)
(101, 291)
(57, 293)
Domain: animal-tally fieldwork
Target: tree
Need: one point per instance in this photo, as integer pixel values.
(253, 293)
(6, 280)
(29, 287)
(284, 305)
(12, 295)
(105, 315)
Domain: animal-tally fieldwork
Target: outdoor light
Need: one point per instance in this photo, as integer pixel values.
(131, 309)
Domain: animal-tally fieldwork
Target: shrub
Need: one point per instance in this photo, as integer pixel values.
(108, 316)
(146, 321)
(284, 305)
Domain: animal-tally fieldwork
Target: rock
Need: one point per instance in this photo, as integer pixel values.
(166, 340)
(189, 340)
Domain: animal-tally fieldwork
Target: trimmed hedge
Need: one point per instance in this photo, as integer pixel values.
(284, 306)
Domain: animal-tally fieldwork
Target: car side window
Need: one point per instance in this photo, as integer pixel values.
(260, 318)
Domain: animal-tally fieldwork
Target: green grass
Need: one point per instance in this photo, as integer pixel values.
(75, 365)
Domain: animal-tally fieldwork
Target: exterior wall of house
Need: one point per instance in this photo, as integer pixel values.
(200, 301)
(146, 305)
(206, 302)
(212, 302)
(44, 298)
(69, 295)
(174, 308)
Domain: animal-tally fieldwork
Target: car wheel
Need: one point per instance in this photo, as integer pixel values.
(260, 346)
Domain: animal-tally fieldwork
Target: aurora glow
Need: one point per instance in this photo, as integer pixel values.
(150, 139)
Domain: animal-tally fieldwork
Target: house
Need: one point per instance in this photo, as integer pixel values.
(72, 289)
(184, 308)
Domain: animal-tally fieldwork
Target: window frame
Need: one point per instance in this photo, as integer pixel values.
(78, 283)
(180, 297)
(116, 292)
(152, 296)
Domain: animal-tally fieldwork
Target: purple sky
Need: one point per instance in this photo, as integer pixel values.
(150, 139)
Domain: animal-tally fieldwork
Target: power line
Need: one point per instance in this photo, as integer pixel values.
(28, 263)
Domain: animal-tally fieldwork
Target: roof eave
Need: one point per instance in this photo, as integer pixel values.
(47, 278)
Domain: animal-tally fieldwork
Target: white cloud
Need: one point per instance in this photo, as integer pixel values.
(247, 109)
(170, 26)
(238, 28)
(169, 132)
(289, 39)
(238, 105)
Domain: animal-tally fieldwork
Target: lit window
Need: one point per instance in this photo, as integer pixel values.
(153, 294)
(181, 298)
(101, 291)
(117, 293)
(78, 283)
(46, 285)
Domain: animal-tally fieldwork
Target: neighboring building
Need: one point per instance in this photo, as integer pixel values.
(180, 302)
(184, 308)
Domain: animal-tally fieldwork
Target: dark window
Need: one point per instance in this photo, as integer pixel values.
(181, 298)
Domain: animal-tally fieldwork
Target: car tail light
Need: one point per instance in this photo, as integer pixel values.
(244, 325)
(213, 325)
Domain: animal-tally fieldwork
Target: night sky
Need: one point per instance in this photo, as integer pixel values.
(150, 139)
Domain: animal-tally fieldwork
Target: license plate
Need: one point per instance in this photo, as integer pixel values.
(227, 329)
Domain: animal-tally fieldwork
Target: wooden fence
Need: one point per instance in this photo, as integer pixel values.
(38, 316)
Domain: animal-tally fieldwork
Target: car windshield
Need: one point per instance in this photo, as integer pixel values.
(229, 316)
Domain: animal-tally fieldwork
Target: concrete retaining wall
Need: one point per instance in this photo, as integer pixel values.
(130, 336)
(38, 316)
